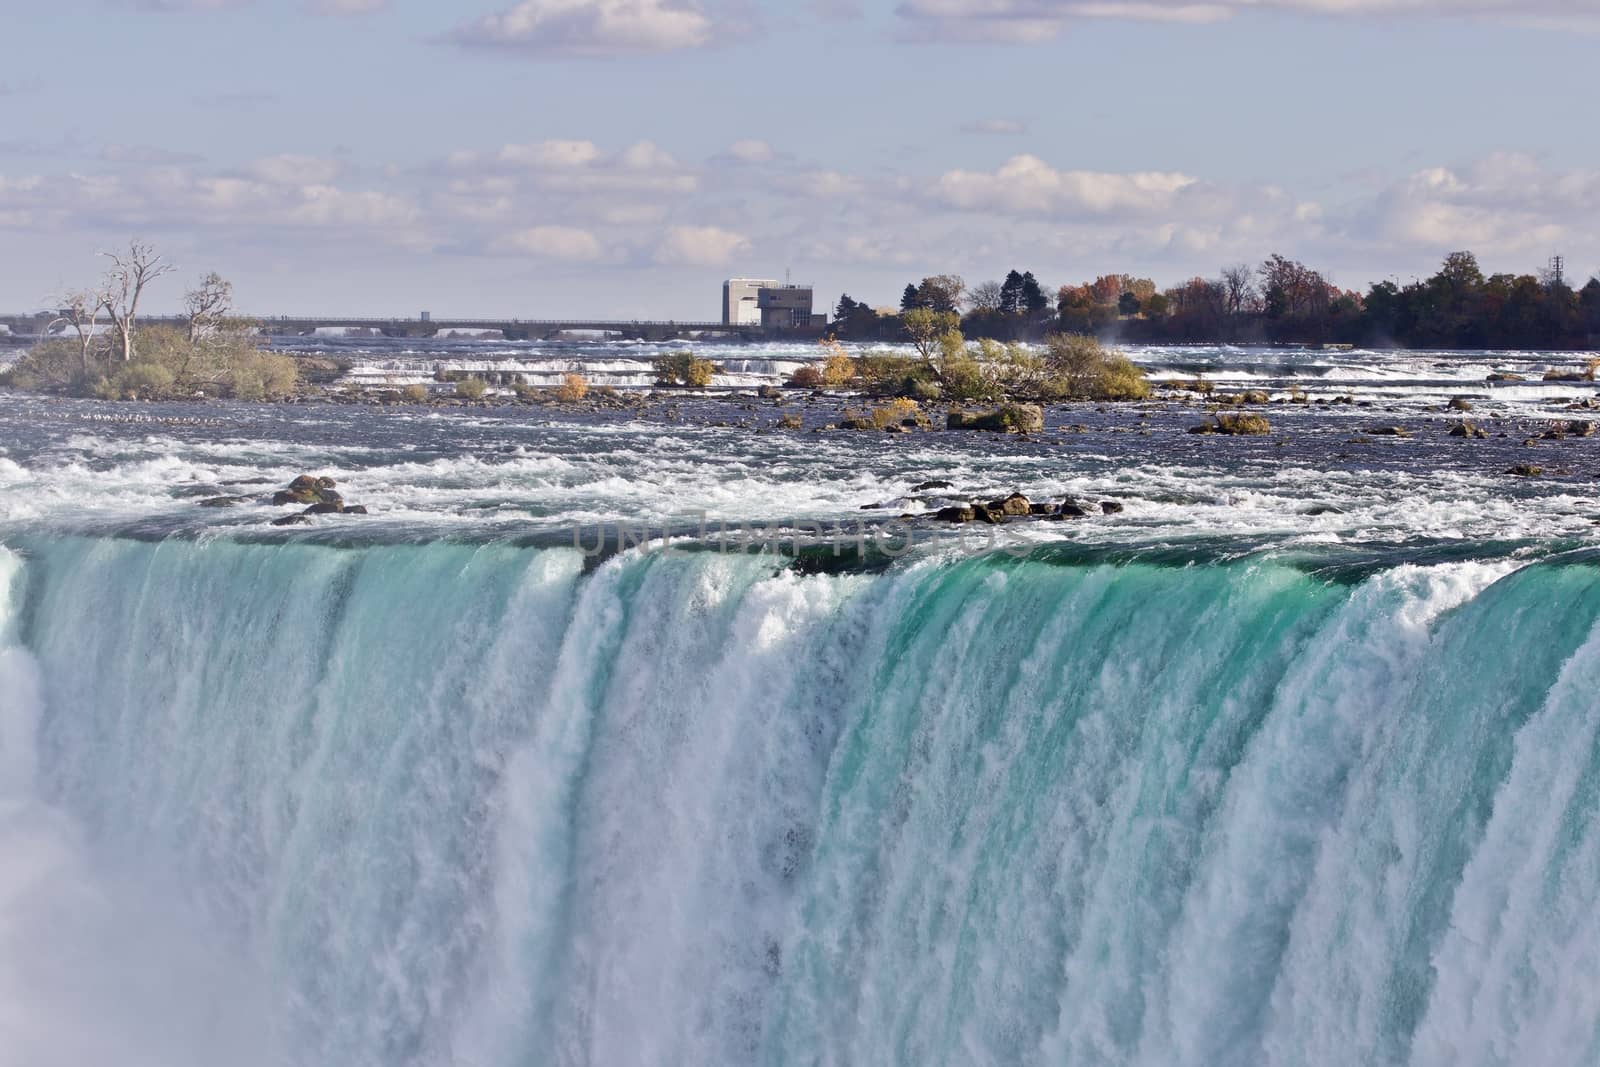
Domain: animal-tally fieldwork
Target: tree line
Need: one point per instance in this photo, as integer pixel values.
(1279, 300)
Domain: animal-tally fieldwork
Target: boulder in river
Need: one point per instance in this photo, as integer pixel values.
(295, 496)
(317, 494)
(1015, 504)
(1007, 418)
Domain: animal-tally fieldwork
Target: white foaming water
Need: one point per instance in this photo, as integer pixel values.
(470, 805)
(99, 964)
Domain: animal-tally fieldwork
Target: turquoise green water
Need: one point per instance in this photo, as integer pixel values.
(471, 804)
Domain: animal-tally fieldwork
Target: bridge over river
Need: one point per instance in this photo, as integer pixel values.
(30, 327)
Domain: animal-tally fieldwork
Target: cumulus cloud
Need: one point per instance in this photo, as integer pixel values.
(295, 170)
(551, 154)
(1505, 201)
(1028, 185)
(819, 184)
(1027, 21)
(751, 151)
(166, 198)
(565, 243)
(590, 27)
(699, 246)
(576, 207)
(582, 166)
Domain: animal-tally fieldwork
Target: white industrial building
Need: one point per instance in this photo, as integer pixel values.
(768, 303)
(741, 300)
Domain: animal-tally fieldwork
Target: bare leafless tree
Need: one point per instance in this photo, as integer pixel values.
(80, 309)
(125, 282)
(1239, 285)
(984, 297)
(207, 304)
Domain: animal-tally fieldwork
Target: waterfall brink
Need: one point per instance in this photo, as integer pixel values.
(452, 804)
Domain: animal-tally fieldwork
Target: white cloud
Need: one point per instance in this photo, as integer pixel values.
(581, 167)
(590, 27)
(750, 151)
(820, 184)
(295, 170)
(1504, 202)
(551, 154)
(565, 243)
(1028, 185)
(699, 246)
(564, 205)
(646, 155)
(1028, 21)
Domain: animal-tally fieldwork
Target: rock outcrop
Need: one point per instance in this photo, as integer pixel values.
(1007, 418)
(319, 496)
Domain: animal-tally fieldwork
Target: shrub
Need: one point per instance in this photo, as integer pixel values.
(697, 375)
(807, 377)
(471, 388)
(684, 368)
(415, 394)
(573, 388)
(257, 375)
(1242, 423)
(669, 369)
(1080, 368)
(143, 381)
(893, 413)
(838, 369)
(888, 374)
(962, 377)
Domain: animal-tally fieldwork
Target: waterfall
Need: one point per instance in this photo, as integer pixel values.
(477, 804)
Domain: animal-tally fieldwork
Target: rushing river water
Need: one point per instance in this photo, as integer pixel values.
(1293, 760)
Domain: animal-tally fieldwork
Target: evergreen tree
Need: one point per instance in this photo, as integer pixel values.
(1031, 295)
(1011, 294)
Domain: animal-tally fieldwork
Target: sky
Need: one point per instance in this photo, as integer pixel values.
(620, 158)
